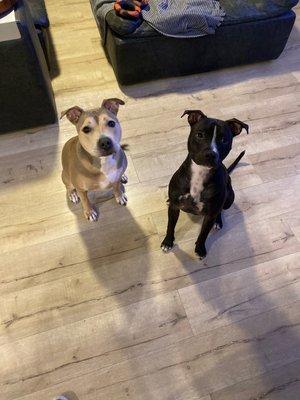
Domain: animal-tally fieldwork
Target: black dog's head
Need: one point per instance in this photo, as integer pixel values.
(210, 139)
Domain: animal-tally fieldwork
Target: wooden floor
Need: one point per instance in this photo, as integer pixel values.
(96, 308)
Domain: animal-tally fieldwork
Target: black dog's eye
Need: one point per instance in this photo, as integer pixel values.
(224, 140)
(86, 129)
(111, 124)
(200, 135)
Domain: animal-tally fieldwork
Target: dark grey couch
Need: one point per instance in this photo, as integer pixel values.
(252, 31)
(26, 97)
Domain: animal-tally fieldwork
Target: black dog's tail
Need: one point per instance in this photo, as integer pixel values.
(235, 162)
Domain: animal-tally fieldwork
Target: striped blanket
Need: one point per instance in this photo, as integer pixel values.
(184, 18)
(178, 18)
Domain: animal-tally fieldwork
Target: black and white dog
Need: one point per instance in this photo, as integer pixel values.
(202, 184)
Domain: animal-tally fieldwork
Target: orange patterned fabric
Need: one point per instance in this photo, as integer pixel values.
(130, 9)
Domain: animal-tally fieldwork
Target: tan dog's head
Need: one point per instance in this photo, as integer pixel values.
(98, 130)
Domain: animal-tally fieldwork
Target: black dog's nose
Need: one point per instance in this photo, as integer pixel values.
(105, 143)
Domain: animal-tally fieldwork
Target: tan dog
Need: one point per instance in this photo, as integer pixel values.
(94, 159)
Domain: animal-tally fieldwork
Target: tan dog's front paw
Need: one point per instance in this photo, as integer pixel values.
(122, 199)
(73, 197)
(92, 215)
(124, 179)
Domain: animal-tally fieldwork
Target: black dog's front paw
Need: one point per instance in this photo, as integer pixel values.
(167, 244)
(200, 250)
(219, 223)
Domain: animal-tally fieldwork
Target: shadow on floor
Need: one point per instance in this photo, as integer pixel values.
(260, 336)
(257, 334)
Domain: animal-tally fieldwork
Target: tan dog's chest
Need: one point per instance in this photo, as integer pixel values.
(110, 172)
(110, 169)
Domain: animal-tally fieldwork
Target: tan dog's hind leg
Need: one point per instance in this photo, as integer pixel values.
(120, 196)
(89, 212)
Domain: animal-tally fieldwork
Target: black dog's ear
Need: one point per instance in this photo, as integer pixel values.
(237, 126)
(193, 116)
(73, 114)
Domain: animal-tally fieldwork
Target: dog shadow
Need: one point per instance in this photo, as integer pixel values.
(118, 247)
(119, 255)
(120, 261)
(111, 242)
(254, 318)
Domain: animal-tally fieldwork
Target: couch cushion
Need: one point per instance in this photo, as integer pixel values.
(38, 12)
(237, 11)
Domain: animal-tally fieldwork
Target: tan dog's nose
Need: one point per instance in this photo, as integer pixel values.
(105, 143)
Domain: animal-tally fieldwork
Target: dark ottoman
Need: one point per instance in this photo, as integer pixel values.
(252, 31)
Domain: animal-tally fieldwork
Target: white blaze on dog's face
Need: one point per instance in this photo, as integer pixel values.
(213, 145)
(99, 131)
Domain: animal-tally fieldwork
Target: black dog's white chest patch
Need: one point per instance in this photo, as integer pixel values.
(198, 176)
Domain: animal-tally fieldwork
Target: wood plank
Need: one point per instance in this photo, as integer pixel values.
(278, 163)
(233, 297)
(292, 218)
(78, 282)
(101, 341)
(194, 366)
(280, 384)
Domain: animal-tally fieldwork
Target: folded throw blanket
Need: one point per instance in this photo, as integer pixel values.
(201, 17)
(184, 18)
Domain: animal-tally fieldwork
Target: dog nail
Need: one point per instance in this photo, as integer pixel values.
(165, 249)
(122, 200)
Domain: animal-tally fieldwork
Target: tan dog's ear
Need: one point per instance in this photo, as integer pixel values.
(237, 126)
(73, 114)
(112, 105)
(193, 116)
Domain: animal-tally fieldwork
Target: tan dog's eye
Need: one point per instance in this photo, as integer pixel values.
(86, 129)
(111, 124)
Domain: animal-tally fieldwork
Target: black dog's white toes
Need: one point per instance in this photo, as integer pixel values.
(124, 179)
(201, 251)
(218, 226)
(219, 223)
(166, 249)
(166, 245)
